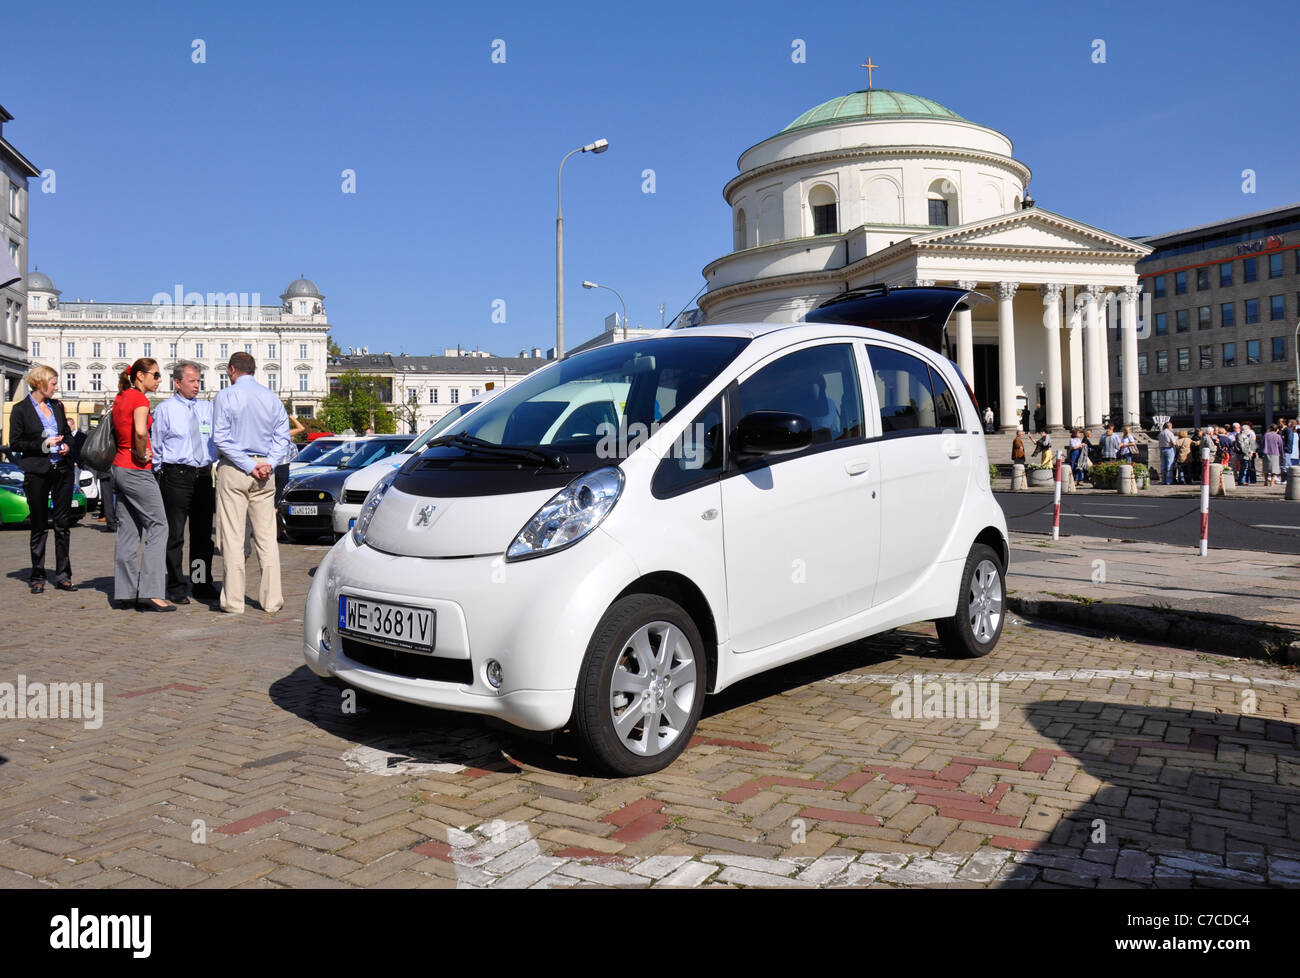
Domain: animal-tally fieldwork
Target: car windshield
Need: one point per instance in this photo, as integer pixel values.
(573, 405)
(10, 473)
(316, 449)
(359, 454)
(441, 425)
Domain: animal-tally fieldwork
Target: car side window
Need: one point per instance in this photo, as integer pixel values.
(696, 457)
(910, 400)
(820, 383)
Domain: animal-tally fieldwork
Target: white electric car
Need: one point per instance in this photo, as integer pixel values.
(735, 498)
(359, 484)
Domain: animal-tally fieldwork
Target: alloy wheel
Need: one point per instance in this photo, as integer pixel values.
(653, 688)
(985, 602)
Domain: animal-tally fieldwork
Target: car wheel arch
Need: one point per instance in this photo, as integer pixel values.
(685, 592)
(992, 538)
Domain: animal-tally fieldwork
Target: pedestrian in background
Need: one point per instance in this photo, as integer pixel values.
(1126, 447)
(1247, 444)
(1168, 453)
(1018, 449)
(39, 430)
(140, 554)
(183, 457)
(1075, 447)
(1272, 457)
(251, 432)
(1109, 445)
(1183, 454)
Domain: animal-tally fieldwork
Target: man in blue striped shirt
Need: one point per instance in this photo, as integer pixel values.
(183, 453)
(251, 432)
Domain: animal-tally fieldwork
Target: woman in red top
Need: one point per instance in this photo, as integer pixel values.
(141, 552)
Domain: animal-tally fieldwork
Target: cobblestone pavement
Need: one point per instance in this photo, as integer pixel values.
(221, 761)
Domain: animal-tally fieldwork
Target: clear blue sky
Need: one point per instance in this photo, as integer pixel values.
(226, 176)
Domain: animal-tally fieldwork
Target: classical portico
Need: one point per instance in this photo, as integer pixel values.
(1056, 283)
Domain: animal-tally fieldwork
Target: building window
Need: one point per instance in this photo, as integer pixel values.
(1207, 357)
(70, 382)
(741, 230)
(272, 381)
(1252, 351)
(15, 202)
(302, 382)
(1162, 324)
(1162, 361)
(1252, 311)
(121, 349)
(1142, 364)
(1185, 358)
(433, 395)
(1276, 307)
(1225, 274)
(1202, 279)
(1275, 265)
(94, 349)
(1203, 317)
(455, 395)
(821, 201)
(302, 351)
(270, 351)
(223, 351)
(1229, 354)
(474, 391)
(1180, 283)
(248, 348)
(172, 350)
(1279, 348)
(938, 213)
(224, 379)
(1160, 286)
(14, 254)
(1181, 323)
(1228, 314)
(36, 348)
(410, 394)
(203, 384)
(198, 351)
(302, 307)
(1249, 272)
(72, 348)
(96, 382)
(148, 350)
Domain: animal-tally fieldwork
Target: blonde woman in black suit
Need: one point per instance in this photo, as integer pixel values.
(39, 429)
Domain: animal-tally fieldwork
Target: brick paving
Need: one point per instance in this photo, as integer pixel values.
(222, 762)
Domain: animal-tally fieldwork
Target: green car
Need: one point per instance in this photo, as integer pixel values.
(13, 500)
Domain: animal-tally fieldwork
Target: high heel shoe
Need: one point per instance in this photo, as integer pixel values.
(148, 605)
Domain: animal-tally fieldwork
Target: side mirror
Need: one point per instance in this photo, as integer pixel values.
(771, 433)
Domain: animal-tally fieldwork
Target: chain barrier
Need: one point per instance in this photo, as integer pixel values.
(1220, 514)
(1126, 525)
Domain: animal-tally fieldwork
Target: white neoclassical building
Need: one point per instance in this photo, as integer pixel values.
(881, 187)
(91, 342)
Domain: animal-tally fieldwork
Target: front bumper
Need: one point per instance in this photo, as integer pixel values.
(534, 617)
(344, 514)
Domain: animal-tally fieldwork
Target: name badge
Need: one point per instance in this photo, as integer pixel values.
(205, 428)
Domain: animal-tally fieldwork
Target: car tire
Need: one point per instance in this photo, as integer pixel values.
(981, 607)
(641, 688)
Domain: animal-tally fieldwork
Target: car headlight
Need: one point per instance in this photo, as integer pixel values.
(373, 498)
(569, 515)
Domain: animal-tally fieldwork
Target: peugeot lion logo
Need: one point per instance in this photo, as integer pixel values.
(426, 514)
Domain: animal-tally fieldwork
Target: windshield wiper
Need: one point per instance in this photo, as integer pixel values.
(478, 446)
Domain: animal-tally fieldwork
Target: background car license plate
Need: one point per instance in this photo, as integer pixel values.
(389, 624)
(302, 510)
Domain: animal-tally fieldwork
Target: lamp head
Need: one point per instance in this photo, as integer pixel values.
(599, 146)
(590, 285)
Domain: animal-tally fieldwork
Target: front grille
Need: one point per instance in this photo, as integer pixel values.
(357, 496)
(307, 496)
(411, 665)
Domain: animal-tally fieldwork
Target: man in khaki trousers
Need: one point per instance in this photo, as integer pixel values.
(250, 429)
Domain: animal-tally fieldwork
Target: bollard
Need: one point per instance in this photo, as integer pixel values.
(1293, 483)
(1018, 483)
(1056, 501)
(1205, 505)
(1067, 479)
(1124, 482)
(1216, 479)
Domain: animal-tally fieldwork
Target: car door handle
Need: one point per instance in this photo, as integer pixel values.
(857, 466)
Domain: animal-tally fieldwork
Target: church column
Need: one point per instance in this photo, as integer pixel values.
(1128, 310)
(1105, 305)
(1094, 368)
(966, 338)
(1052, 326)
(1007, 407)
(1076, 361)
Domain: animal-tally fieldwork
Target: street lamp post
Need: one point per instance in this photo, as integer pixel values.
(599, 146)
(1294, 341)
(593, 285)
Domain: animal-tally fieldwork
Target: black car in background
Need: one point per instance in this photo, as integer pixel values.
(306, 509)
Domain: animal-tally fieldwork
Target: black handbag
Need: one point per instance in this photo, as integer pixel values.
(100, 448)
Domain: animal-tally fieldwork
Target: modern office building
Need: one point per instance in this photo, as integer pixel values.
(1225, 303)
(91, 342)
(15, 171)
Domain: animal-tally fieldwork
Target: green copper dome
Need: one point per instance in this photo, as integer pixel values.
(872, 103)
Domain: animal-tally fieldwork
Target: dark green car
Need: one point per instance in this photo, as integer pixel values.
(13, 500)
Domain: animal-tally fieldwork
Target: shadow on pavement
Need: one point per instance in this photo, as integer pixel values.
(1188, 798)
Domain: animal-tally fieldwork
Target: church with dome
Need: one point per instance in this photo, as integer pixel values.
(885, 188)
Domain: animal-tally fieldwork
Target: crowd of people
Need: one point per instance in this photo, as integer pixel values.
(1239, 448)
(180, 463)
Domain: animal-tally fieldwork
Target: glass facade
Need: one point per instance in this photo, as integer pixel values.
(1228, 314)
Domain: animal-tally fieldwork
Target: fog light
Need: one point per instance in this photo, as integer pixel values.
(494, 676)
(325, 645)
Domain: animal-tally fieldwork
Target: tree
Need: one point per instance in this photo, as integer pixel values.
(332, 348)
(408, 414)
(357, 403)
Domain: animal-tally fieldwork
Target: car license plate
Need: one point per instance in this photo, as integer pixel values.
(389, 624)
(302, 510)
(352, 522)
